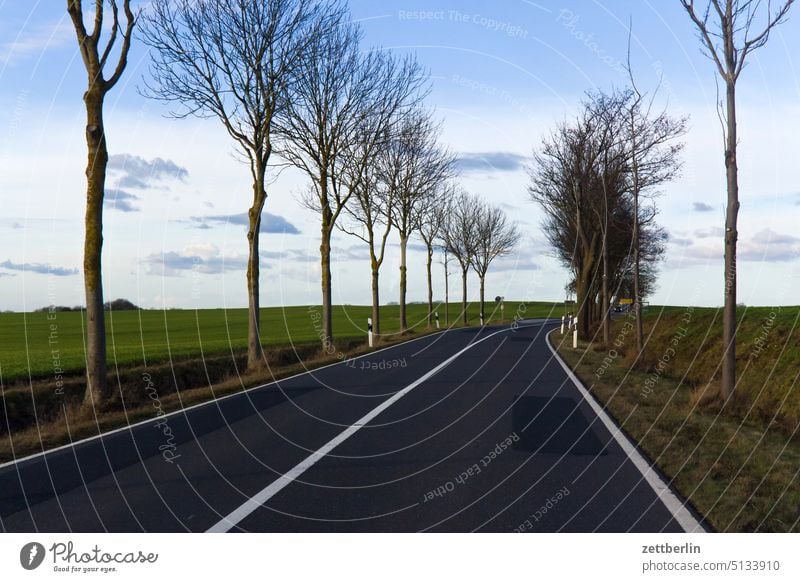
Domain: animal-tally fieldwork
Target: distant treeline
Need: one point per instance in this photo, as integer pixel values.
(116, 305)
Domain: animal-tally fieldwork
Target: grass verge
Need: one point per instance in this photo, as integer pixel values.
(35, 419)
(738, 464)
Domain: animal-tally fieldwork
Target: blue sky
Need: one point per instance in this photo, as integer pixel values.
(503, 75)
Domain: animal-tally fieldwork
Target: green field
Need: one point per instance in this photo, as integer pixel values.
(152, 336)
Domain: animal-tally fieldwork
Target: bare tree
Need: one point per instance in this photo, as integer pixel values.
(336, 89)
(607, 111)
(565, 182)
(95, 57)
(446, 265)
(580, 177)
(728, 38)
(230, 59)
(496, 236)
(369, 218)
(417, 169)
(363, 160)
(432, 222)
(460, 238)
(653, 159)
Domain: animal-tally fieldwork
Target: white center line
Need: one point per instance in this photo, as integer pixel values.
(260, 498)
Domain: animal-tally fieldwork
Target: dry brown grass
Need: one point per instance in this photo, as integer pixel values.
(60, 420)
(737, 463)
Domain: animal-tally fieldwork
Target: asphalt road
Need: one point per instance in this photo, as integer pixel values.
(466, 430)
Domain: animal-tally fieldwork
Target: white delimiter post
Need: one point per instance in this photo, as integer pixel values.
(562, 324)
(575, 335)
(436, 313)
(369, 331)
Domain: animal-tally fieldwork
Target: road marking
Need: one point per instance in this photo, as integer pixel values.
(674, 505)
(260, 498)
(130, 427)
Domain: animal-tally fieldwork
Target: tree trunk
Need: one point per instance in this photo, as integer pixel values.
(430, 287)
(376, 312)
(605, 305)
(637, 292)
(464, 273)
(255, 352)
(637, 301)
(403, 319)
(97, 390)
(731, 234)
(446, 294)
(483, 287)
(325, 267)
(583, 297)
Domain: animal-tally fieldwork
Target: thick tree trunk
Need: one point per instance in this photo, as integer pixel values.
(325, 268)
(430, 287)
(582, 309)
(464, 273)
(376, 312)
(583, 297)
(731, 235)
(255, 352)
(97, 390)
(403, 319)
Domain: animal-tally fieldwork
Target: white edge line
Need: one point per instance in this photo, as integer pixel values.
(662, 490)
(207, 403)
(260, 498)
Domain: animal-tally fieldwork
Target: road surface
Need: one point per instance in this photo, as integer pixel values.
(465, 430)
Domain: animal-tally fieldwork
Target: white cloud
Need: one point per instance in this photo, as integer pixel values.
(204, 258)
(32, 43)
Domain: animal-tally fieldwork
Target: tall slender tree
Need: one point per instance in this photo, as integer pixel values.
(95, 55)
(496, 236)
(231, 59)
(565, 182)
(460, 238)
(430, 229)
(364, 159)
(729, 32)
(370, 222)
(653, 158)
(417, 170)
(445, 261)
(336, 88)
(608, 112)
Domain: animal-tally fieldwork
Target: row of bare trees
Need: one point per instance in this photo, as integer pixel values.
(291, 84)
(475, 233)
(591, 177)
(285, 77)
(591, 172)
(400, 183)
(409, 187)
